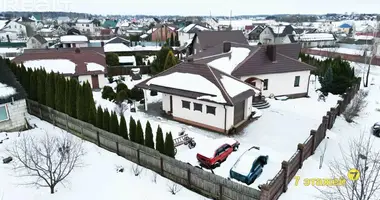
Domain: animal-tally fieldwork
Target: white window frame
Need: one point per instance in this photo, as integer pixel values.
(7, 113)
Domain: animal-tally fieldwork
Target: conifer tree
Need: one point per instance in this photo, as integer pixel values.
(41, 92)
(92, 116)
(114, 123)
(132, 129)
(60, 85)
(169, 145)
(139, 133)
(149, 136)
(171, 40)
(87, 100)
(99, 117)
(123, 131)
(170, 60)
(50, 90)
(106, 120)
(67, 97)
(160, 146)
(33, 86)
(74, 86)
(79, 104)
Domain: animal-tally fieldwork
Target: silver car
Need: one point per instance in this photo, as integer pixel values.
(376, 129)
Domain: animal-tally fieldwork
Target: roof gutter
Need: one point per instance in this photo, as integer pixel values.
(308, 85)
(225, 118)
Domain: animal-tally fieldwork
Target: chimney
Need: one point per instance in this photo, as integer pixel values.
(226, 47)
(191, 59)
(271, 52)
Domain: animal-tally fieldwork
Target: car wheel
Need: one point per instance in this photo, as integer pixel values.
(217, 164)
(236, 147)
(377, 133)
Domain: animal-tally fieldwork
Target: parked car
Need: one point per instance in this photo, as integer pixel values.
(249, 166)
(217, 152)
(376, 129)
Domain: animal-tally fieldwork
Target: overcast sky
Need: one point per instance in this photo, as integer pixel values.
(194, 7)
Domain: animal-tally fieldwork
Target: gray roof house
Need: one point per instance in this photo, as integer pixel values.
(12, 100)
(37, 42)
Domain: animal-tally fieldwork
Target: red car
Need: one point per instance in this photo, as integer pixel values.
(218, 152)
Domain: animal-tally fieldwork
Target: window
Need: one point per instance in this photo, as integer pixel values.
(87, 25)
(254, 83)
(186, 104)
(198, 107)
(265, 84)
(210, 110)
(3, 113)
(297, 81)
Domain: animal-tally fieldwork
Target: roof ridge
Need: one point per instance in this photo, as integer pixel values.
(220, 84)
(247, 58)
(215, 55)
(295, 59)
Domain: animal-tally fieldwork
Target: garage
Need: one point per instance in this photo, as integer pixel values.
(239, 112)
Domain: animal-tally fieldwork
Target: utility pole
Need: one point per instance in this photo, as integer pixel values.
(373, 52)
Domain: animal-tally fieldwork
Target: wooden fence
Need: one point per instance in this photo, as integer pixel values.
(279, 184)
(126, 70)
(349, 57)
(198, 180)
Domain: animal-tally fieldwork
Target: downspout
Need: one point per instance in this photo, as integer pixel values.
(225, 118)
(308, 85)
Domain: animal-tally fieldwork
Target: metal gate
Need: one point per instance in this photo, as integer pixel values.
(239, 112)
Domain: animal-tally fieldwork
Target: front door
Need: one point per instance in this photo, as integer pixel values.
(239, 112)
(95, 82)
(171, 104)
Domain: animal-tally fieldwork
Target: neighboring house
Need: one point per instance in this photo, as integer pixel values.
(84, 64)
(12, 101)
(64, 19)
(27, 22)
(118, 40)
(36, 18)
(275, 34)
(86, 26)
(127, 61)
(72, 41)
(213, 100)
(345, 28)
(310, 40)
(186, 34)
(73, 31)
(37, 42)
(207, 39)
(162, 32)
(16, 27)
(109, 24)
(274, 69)
(212, 23)
(254, 34)
(116, 48)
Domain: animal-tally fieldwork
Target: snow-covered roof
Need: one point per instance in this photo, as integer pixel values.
(278, 29)
(227, 65)
(73, 38)
(84, 21)
(244, 164)
(3, 23)
(198, 84)
(6, 91)
(45, 30)
(213, 145)
(144, 36)
(91, 66)
(316, 37)
(235, 87)
(127, 59)
(191, 26)
(146, 48)
(150, 31)
(363, 37)
(63, 66)
(116, 47)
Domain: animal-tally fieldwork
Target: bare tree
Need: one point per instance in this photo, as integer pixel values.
(49, 160)
(154, 177)
(357, 105)
(373, 54)
(136, 169)
(174, 188)
(366, 160)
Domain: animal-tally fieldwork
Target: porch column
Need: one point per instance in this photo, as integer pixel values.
(145, 99)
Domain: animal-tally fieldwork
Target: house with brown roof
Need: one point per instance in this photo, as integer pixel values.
(273, 69)
(203, 96)
(207, 39)
(84, 64)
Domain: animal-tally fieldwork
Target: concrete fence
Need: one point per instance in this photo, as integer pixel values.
(349, 57)
(126, 70)
(198, 180)
(289, 169)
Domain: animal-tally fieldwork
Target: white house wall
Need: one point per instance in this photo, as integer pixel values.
(84, 78)
(283, 83)
(16, 113)
(184, 37)
(102, 80)
(266, 35)
(15, 27)
(216, 120)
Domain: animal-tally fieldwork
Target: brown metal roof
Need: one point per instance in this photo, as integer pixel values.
(211, 74)
(209, 39)
(218, 49)
(86, 55)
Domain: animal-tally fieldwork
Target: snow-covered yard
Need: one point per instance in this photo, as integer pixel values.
(277, 132)
(98, 179)
(339, 137)
(343, 50)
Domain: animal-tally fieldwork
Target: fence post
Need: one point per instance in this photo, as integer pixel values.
(301, 147)
(138, 156)
(117, 148)
(313, 133)
(340, 103)
(220, 191)
(51, 115)
(333, 112)
(67, 122)
(39, 108)
(264, 194)
(28, 104)
(328, 114)
(285, 167)
(162, 165)
(98, 138)
(189, 177)
(325, 121)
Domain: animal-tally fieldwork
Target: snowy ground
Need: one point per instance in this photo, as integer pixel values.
(339, 137)
(97, 180)
(344, 50)
(278, 131)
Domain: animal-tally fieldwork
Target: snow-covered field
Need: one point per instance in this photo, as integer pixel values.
(339, 137)
(98, 179)
(277, 132)
(344, 51)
